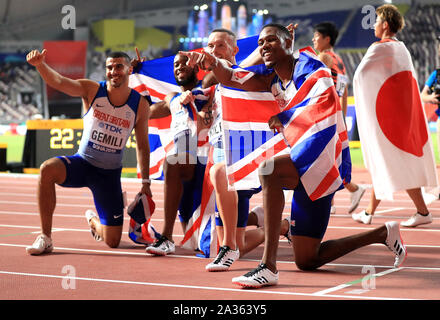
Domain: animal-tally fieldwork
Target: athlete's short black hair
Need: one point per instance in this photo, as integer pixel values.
(281, 28)
(119, 54)
(328, 29)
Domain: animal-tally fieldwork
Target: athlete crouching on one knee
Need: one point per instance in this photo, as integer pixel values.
(112, 110)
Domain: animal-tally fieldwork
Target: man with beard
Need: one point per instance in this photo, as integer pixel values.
(185, 164)
(112, 110)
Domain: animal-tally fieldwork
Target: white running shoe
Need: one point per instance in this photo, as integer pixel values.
(161, 247)
(394, 242)
(362, 217)
(225, 257)
(355, 198)
(89, 216)
(259, 212)
(43, 244)
(416, 220)
(257, 278)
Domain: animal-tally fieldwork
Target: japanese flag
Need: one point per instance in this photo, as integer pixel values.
(391, 121)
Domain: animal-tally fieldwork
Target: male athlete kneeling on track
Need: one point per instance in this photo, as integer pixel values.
(291, 85)
(109, 106)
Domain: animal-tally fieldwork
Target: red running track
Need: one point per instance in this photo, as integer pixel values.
(82, 269)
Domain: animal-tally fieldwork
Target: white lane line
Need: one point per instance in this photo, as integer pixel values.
(401, 230)
(33, 195)
(120, 252)
(26, 176)
(192, 287)
(349, 284)
(179, 235)
(81, 216)
(34, 203)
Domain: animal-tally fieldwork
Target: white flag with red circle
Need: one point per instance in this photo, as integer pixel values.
(392, 124)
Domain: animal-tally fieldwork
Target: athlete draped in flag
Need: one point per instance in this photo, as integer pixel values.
(233, 206)
(392, 124)
(185, 164)
(304, 89)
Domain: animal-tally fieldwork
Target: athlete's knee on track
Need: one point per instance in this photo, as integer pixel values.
(307, 262)
(112, 235)
(112, 241)
(306, 265)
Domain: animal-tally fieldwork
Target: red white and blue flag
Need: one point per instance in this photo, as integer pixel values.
(247, 137)
(315, 130)
(155, 79)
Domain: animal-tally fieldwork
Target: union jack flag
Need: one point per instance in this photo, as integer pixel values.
(155, 78)
(247, 137)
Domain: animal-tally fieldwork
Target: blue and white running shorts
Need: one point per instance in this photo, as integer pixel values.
(309, 218)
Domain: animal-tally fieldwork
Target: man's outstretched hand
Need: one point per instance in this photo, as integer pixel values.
(35, 58)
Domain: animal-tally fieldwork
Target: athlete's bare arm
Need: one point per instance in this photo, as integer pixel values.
(142, 143)
(159, 109)
(224, 73)
(83, 88)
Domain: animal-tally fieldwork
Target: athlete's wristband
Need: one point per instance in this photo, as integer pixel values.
(146, 181)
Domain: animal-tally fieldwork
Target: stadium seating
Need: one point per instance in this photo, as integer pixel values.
(19, 86)
(419, 35)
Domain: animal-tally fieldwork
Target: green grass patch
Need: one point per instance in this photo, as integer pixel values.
(435, 146)
(357, 160)
(15, 144)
